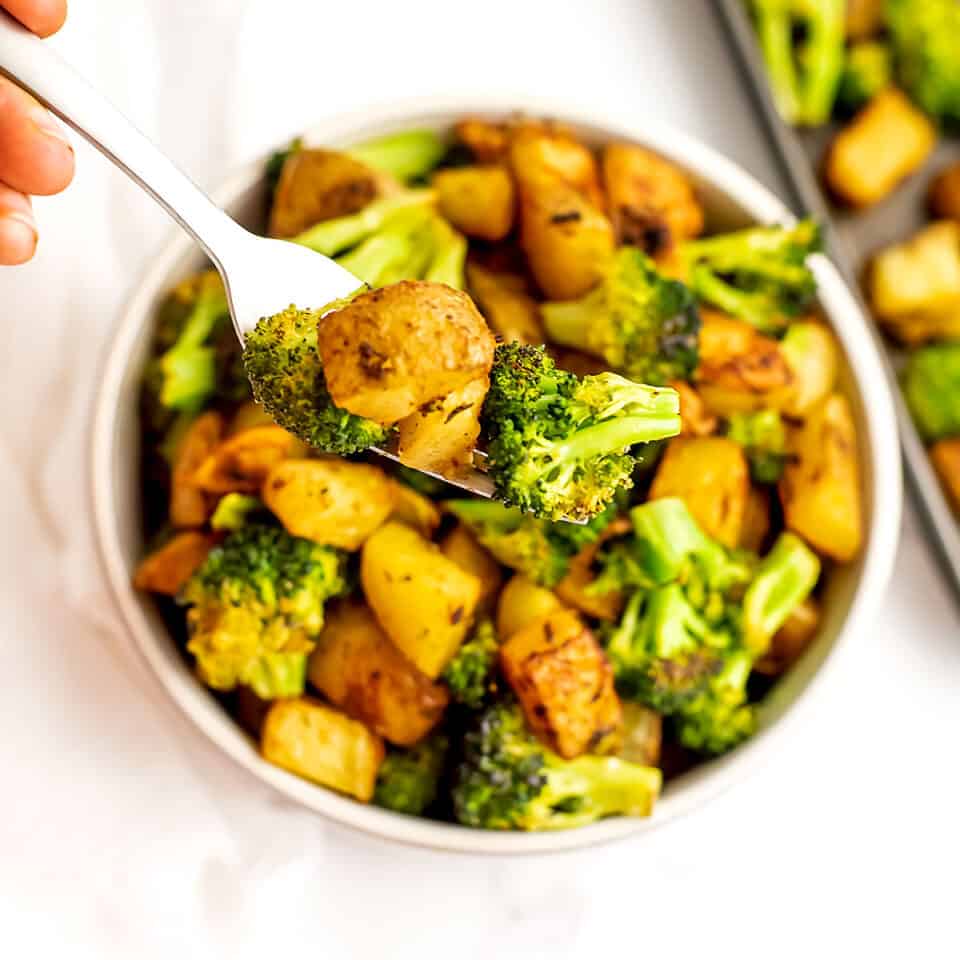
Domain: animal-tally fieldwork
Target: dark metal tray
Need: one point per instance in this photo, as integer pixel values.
(852, 237)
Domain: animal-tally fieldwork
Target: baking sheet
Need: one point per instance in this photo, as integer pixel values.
(852, 237)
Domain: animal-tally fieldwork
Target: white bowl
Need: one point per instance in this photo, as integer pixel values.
(732, 198)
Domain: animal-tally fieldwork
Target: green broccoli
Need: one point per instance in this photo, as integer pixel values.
(509, 780)
(255, 605)
(925, 36)
(618, 568)
(783, 579)
(763, 436)
(719, 718)
(233, 511)
(642, 324)
(867, 70)
(802, 42)
(469, 675)
(449, 256)
(407, 780)
(283, 363)
(759, 274)
(559, 446)
(931, 385)
(407, 155)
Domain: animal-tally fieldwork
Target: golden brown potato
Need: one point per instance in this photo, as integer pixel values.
(389, 351)
(414, 509)
(756, 520)
(564, 683)
(249, 415)
(190, 506)
(441, 435)
(887, 141)
(329, 501)
(522, 603)
(241, 463)
(478, 201)
(812, 356)
(710, 475)
(945, 193)
(945, 455)
(574, 589)
(511, 312)
(566, 238)
(317, 185)
(820, 486)
(321, 744)
(650, 200)
(168, 569)
(541, 151)
(641, 736)
(791, 639)
(864, 18)
(423, 600)
(915, 285)
(488, 142)
(695, 419)
(358, 669)
(460, 546)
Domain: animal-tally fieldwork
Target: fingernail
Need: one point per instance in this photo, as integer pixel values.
(48, 126)
(18, 236)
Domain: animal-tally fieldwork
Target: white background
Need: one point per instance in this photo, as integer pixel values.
(123, 836)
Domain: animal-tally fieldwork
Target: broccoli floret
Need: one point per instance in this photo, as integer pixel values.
(407, 779)
(408, 155)
(469, 675)
(449, 256)
(802, 42)
(783, 580)
(255, 604)
(763, 437)
(663, 651)
(283, 363)
(866, 71)
(931, 384)
(759, 274)
(719, 718)
(233, 510)
(925, 35)
(642, 324)
(509, 780)
(559, 446)
(618, 569)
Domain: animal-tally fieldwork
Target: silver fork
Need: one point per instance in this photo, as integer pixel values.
(261, 276)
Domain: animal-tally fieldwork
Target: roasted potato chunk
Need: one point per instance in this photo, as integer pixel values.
(329, 501)
(503, 300)
(887, 141)
(522, 603)
(241, 463)
(812, 356)
(460, 546)
(756, 520)
(478, 201)
(945, 193)
(915, 285)
(641, 736)
(358, 669)
(321, 744)
(317, 185)
(424, 601)
(441, 435)
(710, 475)
(414, 509)
(791, 639)
(389, 351)
(945, 455)
(249, 415)
(695, 419)
(564, 683)
(168, 569)
(820, 486)
(540, 152)
(574, 589)
(190, 506)
(650, 201)
(488, 142)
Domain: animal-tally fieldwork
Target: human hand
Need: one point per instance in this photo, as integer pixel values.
(35, 157)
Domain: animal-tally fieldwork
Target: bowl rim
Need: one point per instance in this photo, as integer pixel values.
(703, 783)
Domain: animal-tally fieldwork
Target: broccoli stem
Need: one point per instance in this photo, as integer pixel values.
(822, 59)
(774, 29)
(569, 323)
(611, 436)
(408, 155)
(447, 265)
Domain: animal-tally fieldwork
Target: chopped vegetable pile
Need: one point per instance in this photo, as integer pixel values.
(483, 661)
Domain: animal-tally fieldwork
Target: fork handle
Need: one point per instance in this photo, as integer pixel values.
(33, 65)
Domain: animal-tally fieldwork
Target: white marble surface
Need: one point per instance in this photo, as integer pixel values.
(123, 836)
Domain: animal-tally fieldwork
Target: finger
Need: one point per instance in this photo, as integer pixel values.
(18, 232)
(35, 156)
(43, 17)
